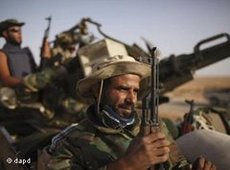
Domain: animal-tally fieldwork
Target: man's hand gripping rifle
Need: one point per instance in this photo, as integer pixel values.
(150, 121)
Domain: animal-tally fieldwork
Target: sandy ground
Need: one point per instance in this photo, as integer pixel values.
(193, 90)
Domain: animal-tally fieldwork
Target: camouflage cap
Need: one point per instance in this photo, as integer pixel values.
(9, 23)
(110, 67)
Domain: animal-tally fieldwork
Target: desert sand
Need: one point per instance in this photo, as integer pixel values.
(193, 90)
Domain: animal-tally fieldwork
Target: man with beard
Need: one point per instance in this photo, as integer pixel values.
(108, 137)
(15, 62)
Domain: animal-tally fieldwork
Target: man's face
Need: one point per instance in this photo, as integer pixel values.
(14, 35)
(121, 93)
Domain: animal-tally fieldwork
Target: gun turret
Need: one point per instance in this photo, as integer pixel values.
(177, 70)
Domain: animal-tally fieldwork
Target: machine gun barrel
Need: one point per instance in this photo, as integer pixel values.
(212, 54)
(177, 70)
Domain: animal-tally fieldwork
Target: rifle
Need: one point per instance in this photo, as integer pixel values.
(186, 126)
(150, 120)
(45, 37)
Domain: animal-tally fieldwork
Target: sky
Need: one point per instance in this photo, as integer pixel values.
(174, 26)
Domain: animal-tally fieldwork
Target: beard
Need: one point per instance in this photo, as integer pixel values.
(125, 110)
(14, 42)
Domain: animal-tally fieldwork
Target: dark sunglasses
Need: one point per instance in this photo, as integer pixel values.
(15, 30)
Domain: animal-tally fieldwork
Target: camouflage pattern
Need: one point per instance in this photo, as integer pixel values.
(58, 89)
(65, 53)
(8, 97)
(91, 145)
(40, 80)
(211, 118)
(65, 46)
(68, 42)
(41, 93)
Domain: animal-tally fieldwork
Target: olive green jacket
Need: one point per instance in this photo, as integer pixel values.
(90, 145)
